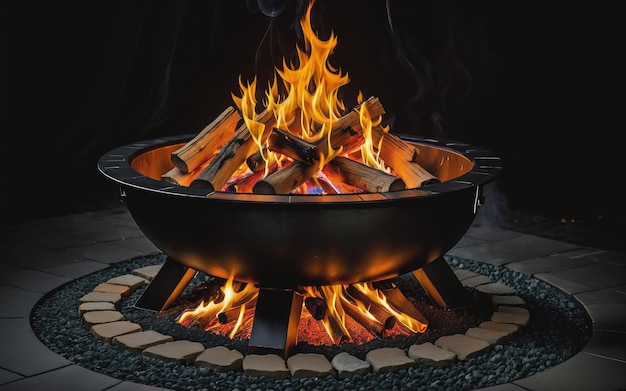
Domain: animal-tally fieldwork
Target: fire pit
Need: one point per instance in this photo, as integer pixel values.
(287, 241)
(282, 243)
(389, 204)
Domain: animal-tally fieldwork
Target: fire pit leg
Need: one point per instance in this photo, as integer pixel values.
(442, 286)
(276, 319)
(166, 286)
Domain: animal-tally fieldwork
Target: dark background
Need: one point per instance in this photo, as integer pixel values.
(539, 84)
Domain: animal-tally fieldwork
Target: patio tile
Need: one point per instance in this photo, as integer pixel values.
(46, 237)
(44, 259)
(10, 268)
(552, 263)
(22, 352)
(77, 269)
(468, 241)
(608, 344)
(616, 294)
(608, 316)
(72, 377)
(140, 244)
(131, 386)
(8, 376)
(105, 252)
(85, 226)
(33, 280)
(13, 248)
(582, 372)
(511, 250)
(17, 302)
(490, 233)
(586, 278)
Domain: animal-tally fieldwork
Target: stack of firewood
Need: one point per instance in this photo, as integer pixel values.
(212, 158)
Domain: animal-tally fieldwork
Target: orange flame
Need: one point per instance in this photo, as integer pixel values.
(379, 297)
(303, 98)
(210, 310)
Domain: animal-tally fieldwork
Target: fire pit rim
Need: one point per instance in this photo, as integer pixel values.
(116, 165)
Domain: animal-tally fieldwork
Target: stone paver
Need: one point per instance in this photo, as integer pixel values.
(96, 317)
(270, 365)
(510, 317)
(463, 346)
(309, 365)
(182, 351)
(432, 355)
(108, 331)
(220, 359)
(130, 280)
(462, 274)
(494, 337)
(511, 300)
(348, 365)
(108, 297)
(509, 328)
(141, 340)
(517, 310)
(148, 272)
(496, 288)
(123, 290)
(475, 281)
(388, 359)
(95, 306)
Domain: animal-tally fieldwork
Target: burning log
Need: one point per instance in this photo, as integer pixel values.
(256, 162)
(372, 325)
(176, 177)
(231, 156)
(299, 172)
(242, 293)
(370, 179)
(334, 329)
(346, 138)
(412, 318)
(232, 313)
(401, 157)
(245, 183)
(316, 306)
(386, 318)
(282, 181)
(292, 176)
(286, 143)
(209, 140)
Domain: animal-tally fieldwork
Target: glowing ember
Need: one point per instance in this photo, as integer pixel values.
(349, 313)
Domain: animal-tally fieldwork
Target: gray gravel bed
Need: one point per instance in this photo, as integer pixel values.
(559, 328)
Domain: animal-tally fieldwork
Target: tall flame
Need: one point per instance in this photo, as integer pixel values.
(303, 97)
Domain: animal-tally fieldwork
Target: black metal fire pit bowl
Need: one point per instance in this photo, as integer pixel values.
(289, 241)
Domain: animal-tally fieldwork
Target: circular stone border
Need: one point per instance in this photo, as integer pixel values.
(379, 366)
